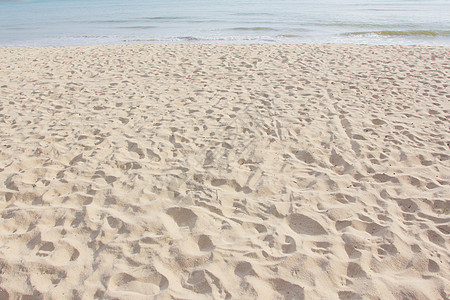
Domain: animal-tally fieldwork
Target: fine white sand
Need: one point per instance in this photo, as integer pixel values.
(222, 171)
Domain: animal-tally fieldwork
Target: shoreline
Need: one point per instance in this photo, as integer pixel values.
(225, 171)
(231, 44)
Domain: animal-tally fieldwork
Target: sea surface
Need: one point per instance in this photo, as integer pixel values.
(96, 22)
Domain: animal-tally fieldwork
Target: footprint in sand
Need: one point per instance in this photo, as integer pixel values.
(150, 284)
(46, 249)
(289, 246)
(302, 224)
(355, 270)
(205, 243)
(198, 283)
(243, 269)
(288, 289)
(183, 216)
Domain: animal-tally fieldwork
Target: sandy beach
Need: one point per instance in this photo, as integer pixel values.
(225, 171)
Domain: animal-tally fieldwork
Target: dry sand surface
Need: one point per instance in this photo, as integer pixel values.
(221, 171)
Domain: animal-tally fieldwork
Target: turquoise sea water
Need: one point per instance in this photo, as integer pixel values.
(93, 22)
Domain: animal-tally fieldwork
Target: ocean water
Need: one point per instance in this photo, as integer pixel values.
(94, 22)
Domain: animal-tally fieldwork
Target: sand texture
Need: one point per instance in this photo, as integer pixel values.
(223, 171)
